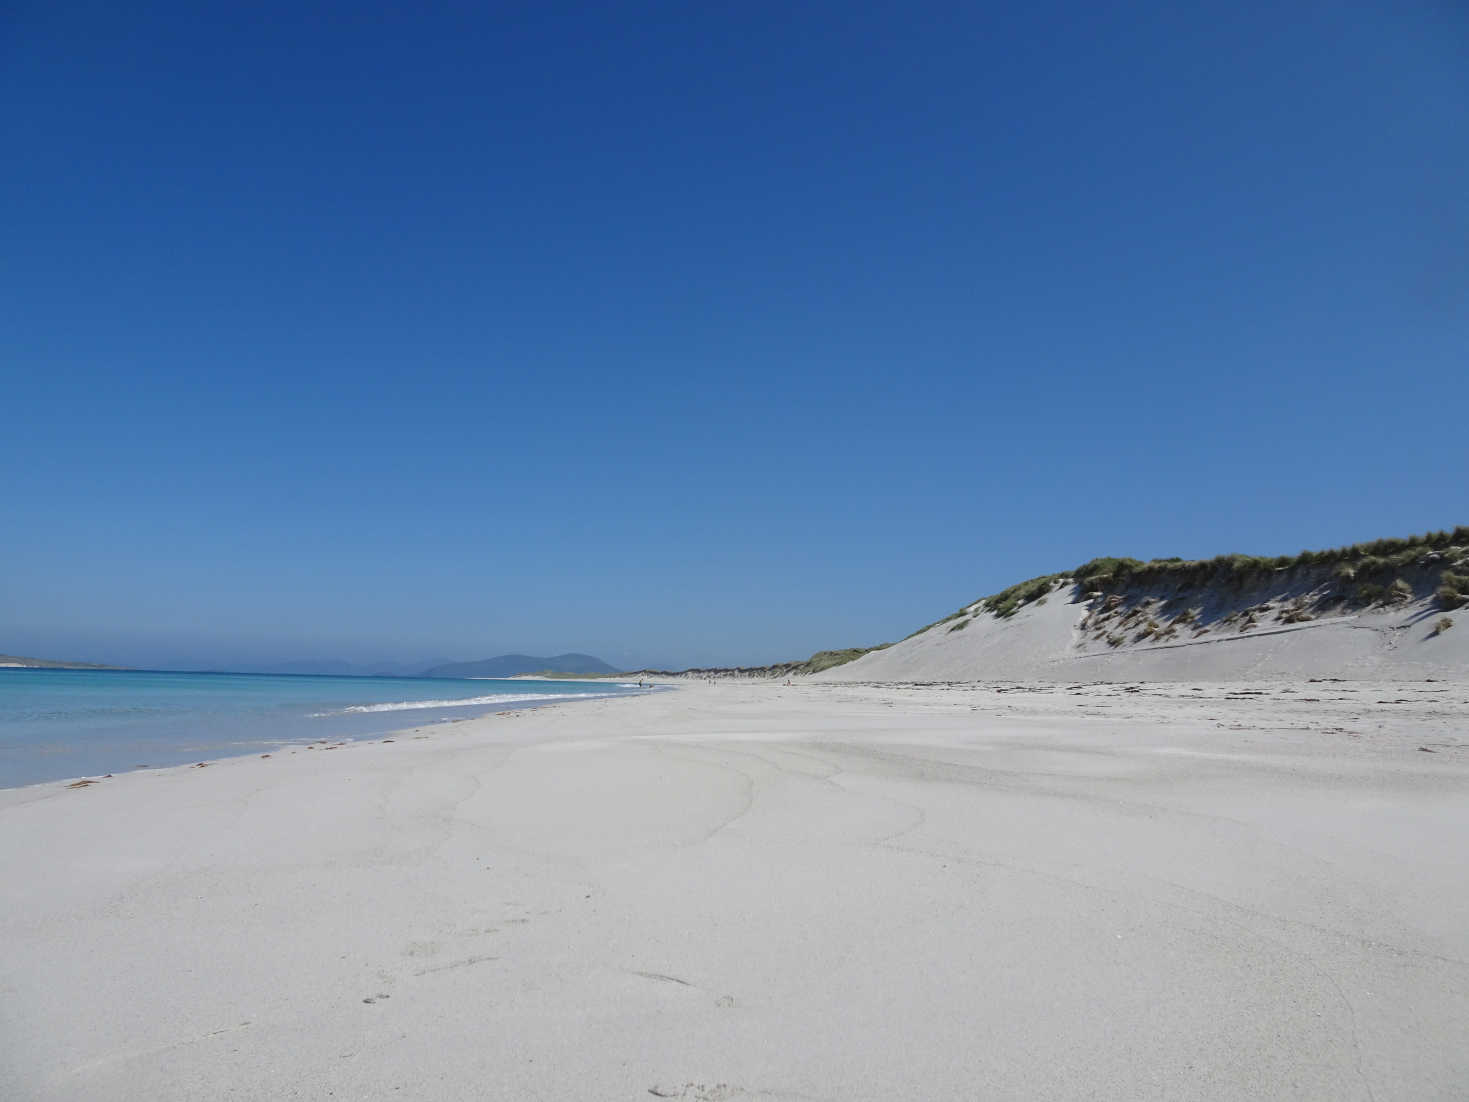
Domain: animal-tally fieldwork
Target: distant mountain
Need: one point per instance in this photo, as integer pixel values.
(508, 665)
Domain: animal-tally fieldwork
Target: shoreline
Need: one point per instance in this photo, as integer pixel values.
(755, 891)
(39, 757)
(327, 742)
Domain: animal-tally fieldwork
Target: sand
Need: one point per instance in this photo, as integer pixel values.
(1046, 642)
(758, 892)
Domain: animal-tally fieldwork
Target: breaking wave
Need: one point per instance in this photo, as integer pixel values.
(461, 702)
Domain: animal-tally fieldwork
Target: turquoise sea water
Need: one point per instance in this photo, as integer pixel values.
(74, 723)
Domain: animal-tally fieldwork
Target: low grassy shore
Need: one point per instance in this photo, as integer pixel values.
(750, 890)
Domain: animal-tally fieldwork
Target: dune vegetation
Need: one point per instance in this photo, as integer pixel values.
(1362, 574)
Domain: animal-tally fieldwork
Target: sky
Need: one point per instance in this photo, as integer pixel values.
(687, 334)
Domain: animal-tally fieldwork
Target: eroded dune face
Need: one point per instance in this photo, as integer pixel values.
(1300, 624)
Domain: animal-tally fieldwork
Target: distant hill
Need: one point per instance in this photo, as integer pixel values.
(509, 665)
(15, 660)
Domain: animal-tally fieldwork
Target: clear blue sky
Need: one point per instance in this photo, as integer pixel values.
(693, 333)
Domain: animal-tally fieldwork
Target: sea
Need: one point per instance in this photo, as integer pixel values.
(57, 724)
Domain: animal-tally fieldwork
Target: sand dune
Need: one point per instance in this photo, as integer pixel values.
(758, 892)
(1050, 641)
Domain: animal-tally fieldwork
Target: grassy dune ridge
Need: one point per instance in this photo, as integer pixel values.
(1379, 573)
(1364, 573)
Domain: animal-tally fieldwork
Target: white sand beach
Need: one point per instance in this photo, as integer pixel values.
(752, 891)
